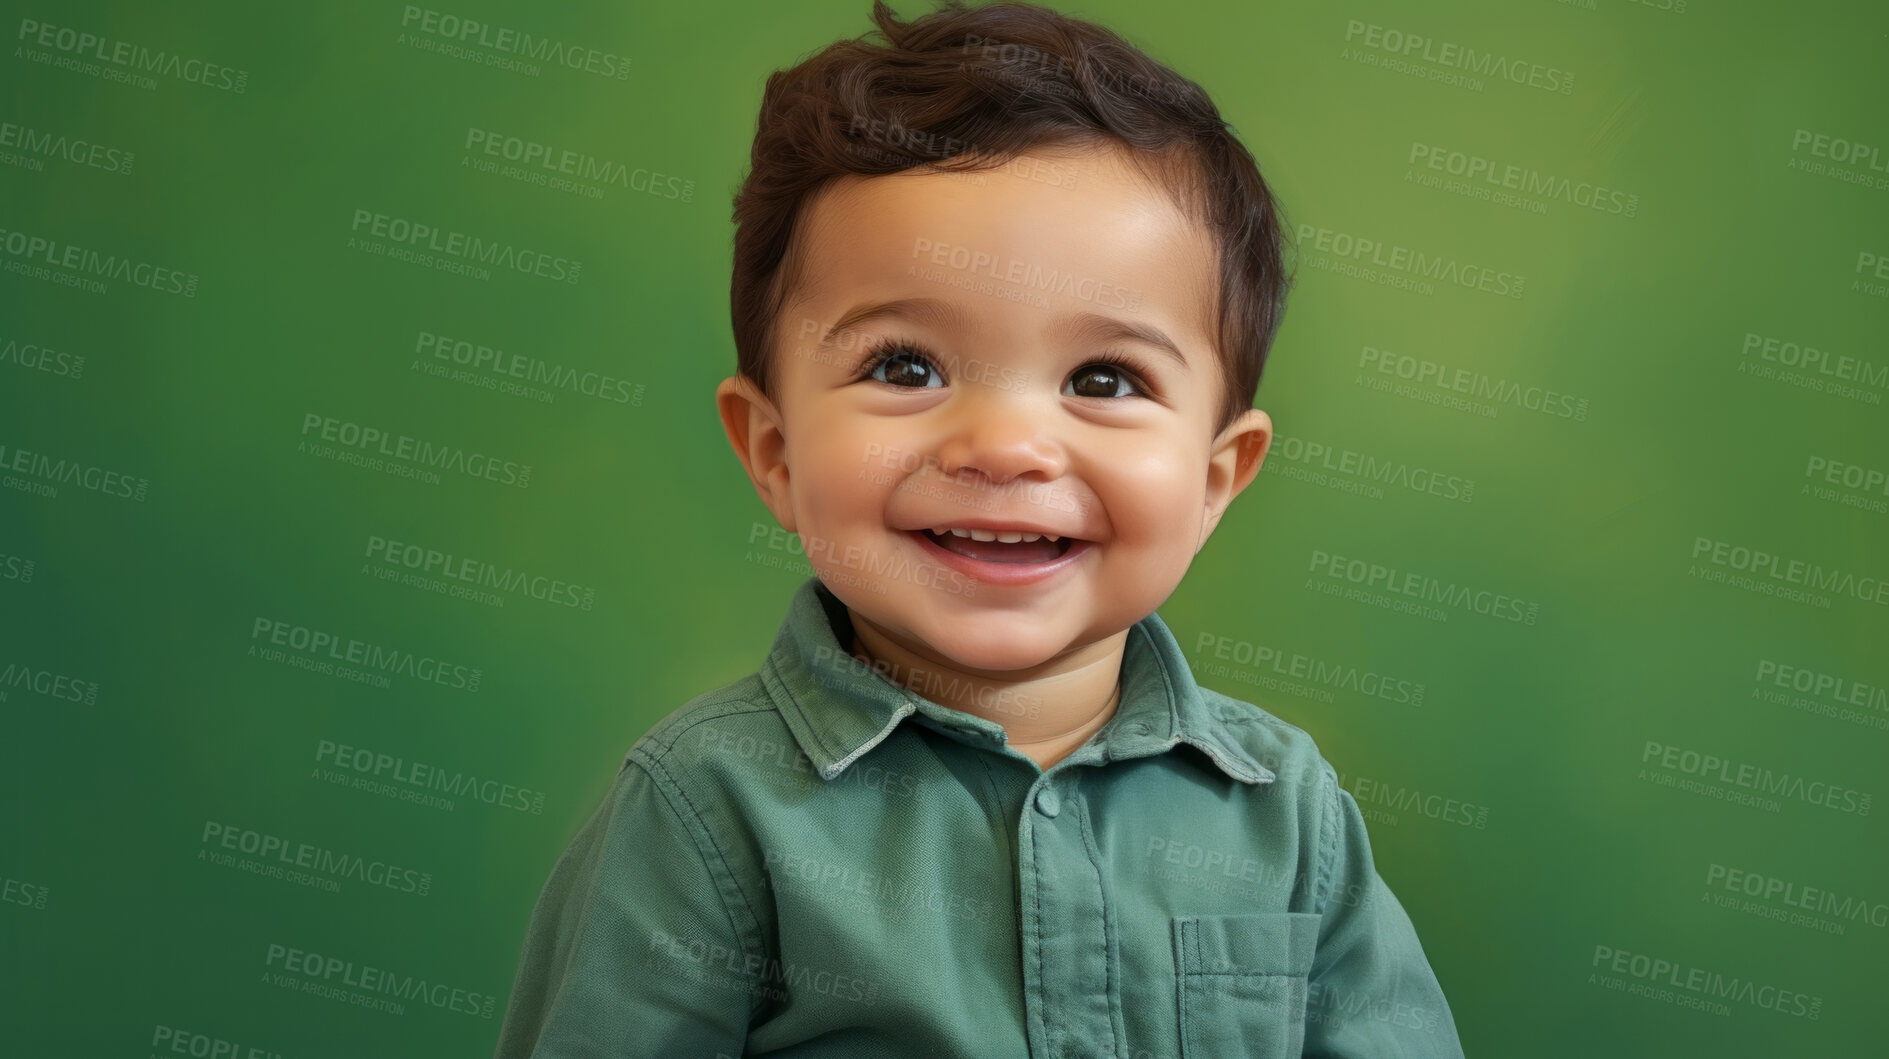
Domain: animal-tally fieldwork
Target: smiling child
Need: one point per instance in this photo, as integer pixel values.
(1003, 288)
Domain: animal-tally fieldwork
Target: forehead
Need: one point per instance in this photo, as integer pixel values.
(1050, 234)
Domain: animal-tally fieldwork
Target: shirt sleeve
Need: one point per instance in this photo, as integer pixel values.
(631, 949)
(1371, 991)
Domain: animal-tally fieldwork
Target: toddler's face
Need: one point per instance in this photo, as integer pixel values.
(993, 305)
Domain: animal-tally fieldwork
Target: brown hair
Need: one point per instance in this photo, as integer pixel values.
(976, 87)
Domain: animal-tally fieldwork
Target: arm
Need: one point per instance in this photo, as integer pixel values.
(1371, 993)
(632, 949)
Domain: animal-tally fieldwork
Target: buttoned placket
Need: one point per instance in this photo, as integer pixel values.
(1072, 1000)
(1069, 941)
(1071, 995)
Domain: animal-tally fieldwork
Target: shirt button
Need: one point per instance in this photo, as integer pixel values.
(1048, 802)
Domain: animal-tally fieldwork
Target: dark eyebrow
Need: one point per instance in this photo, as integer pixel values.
(943, 314)
(1109, 329)
(933, 311)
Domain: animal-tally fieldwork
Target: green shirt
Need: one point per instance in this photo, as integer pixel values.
(815, 861)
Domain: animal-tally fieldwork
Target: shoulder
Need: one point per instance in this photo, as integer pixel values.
(711, 725)
(1306, 784)
(1289, 751)
(711, 759)
(723, 753)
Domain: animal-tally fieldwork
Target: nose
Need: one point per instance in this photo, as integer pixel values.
(1001, 437)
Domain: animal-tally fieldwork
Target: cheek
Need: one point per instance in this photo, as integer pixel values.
(842, 476)
(1154, 494)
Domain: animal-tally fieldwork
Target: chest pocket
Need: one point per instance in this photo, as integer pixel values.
(1242, 983)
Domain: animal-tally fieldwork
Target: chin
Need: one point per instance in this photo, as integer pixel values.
(1007, 657)
(993, 646)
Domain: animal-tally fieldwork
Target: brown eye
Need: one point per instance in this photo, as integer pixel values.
(906, 368)
(1100, 380)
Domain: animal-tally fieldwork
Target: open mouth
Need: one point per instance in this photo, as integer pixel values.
(1041, 550)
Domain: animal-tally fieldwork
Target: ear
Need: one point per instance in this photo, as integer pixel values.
(757, 432)
(1232, 465)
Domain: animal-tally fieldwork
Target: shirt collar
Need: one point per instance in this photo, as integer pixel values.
(839, 707)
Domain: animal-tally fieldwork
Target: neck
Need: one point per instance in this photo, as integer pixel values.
(1046, 711)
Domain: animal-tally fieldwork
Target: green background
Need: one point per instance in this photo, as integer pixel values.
(117, 929)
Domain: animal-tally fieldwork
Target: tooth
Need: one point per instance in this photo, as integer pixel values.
(959, 532)
(983, 535)
(1051, 537)
(1010, 538)
(1031, 538)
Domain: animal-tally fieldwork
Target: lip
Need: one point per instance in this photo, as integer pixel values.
(1000, 573)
